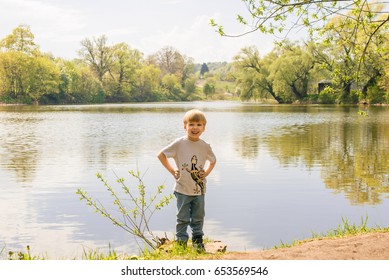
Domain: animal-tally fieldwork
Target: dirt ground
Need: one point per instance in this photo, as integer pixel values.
(371, 246)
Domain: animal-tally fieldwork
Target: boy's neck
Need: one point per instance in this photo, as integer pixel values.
(192, 139)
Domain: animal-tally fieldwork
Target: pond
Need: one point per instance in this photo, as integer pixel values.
(283, 171)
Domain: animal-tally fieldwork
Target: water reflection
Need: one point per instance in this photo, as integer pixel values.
(353, 155)
(248, 146)
(278, 170)
(19, 146)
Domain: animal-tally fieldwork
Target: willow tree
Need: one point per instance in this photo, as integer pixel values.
(284, 74)
(342, 50)
(384, 83)
(290, 73)
(252, 75)
(359, 33)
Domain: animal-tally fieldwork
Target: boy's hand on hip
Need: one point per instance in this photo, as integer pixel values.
(176, 173)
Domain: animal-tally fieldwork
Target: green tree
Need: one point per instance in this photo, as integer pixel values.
(43, 77)
(13, 68)
(125, 62)
(274, 16)
(189, 88)
(384, 84)
(97, 54)
(171, 61)
(375, 59)
(14, 59)
(78, 84)
(208, 89)
(147, 84)
(290, 73)
(20, 40)
(252, 75)
(364, 21)
(340, 54)
(172, 87)
(204, 69)
(25, 78)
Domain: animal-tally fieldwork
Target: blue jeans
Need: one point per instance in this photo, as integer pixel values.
(191, 212)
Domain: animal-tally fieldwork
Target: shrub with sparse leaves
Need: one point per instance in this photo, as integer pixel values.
(135, 207)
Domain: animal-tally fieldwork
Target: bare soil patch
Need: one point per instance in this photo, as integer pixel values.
(371, 246)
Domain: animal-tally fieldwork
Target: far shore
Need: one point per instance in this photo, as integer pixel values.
(254, 102)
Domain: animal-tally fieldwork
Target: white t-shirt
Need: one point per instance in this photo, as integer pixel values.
(190, 158)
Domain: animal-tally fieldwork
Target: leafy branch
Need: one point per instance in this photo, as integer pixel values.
(134, 213)
(272, 16)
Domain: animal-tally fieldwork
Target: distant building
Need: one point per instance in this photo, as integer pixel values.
(323, 84)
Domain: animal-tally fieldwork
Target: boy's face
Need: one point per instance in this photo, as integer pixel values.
(194, 130)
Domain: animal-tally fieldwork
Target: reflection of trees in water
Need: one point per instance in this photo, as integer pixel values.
(354, 156)
(103, 143)
(248, 146)
(30, 140)
(19, 151)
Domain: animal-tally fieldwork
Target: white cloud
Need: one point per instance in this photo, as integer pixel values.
(201, 41)
(47, 18)
(60, 26)
(51, 25)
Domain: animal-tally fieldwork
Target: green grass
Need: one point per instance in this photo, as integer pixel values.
(12, 255)
(172, 251)
(97, 255)
(343, 230)
(169, 251)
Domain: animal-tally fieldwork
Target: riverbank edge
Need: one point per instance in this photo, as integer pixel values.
(189, 254)
(243, 102)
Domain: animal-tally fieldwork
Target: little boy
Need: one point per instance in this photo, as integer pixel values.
(190, 154)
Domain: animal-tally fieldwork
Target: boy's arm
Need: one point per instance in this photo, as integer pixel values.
(165, 162)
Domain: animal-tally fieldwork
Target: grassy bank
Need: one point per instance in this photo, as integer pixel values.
(345, 229)
(171, 251)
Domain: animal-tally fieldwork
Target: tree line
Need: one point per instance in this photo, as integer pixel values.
(338, 64)
(331, 68)
(345, 59)
(101, 73)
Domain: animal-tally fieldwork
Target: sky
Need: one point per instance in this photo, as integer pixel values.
(146, 25)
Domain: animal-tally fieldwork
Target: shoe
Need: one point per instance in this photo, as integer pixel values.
(198, 244)
(181, 243)
(200, 248)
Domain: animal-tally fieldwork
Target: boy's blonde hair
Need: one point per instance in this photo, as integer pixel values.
(195, 115)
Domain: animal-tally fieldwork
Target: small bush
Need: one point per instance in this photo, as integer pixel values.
(135, 208)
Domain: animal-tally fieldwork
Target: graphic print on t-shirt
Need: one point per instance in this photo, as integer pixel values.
(195, 174)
